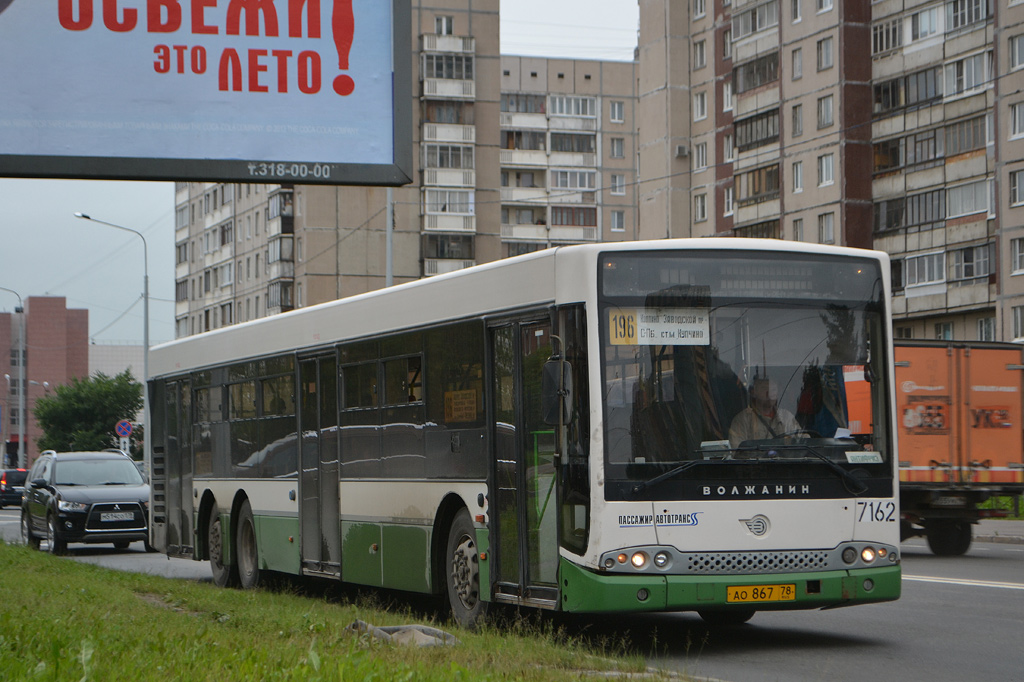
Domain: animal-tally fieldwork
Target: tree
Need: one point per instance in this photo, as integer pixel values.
(82, 415)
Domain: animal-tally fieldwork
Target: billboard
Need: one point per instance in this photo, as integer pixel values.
(279, 91)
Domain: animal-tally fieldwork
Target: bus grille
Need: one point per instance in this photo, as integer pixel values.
(742, 563)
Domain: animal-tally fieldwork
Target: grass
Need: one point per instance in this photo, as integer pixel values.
(1005, 503)
(64, 620)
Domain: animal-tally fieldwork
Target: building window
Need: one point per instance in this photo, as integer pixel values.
(1017, 52)
(888, 96)
(727, 44)
(449, 201)
(961, 13)
(728, 148)
(968, 74)
(825, 58)
(618, 221)
(700, 156)
(824, 5)
(574, 216)
(700, 208)
(987, 329)
(944, 331)
(618, 147)
(825, 118)
(972, 262)
(448, 66)
(447, 156)
(924, 23)
(1017, 188)
(756, 73)
(444, 26)
(700, 55)
(1016, 120)
(757, 130)
(727, 98)
(887, 36)
(450, 246)
(1018, 322)
(928, 269)
(182, 252)
(967, 199)
(797, 13)
(755, 19)
(565, 105)
(798, 229)
(727, 201)
(573, 179)
(618, 184)
(888, 155)
(617, 112)
(826, 170)
(757, 185)
(924, 86)
(827, 228)
(526, 140)
(1017, 255)
(798, 120)
(699, 8)
(517, 104)
(578, 143)
(798, 63)
(700, 106)
(798, 176)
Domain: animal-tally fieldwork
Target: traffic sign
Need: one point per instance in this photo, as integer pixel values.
(123, 428)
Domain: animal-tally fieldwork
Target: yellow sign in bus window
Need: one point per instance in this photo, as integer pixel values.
(659, 327)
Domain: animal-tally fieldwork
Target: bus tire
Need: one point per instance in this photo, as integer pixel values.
(248, 559)
(726, 618)
(949, 538)
(224, 575)
(462, 572)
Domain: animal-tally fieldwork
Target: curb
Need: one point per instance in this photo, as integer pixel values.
(1001, 539)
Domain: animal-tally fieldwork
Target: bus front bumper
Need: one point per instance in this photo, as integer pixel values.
(585, 591)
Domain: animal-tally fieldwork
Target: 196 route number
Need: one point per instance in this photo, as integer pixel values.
(876, 512)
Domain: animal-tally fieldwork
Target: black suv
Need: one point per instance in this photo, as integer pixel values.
(85, 497)
(11, 486)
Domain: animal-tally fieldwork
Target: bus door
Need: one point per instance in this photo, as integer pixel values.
(178, 467)
(318, 458)
(524, 507)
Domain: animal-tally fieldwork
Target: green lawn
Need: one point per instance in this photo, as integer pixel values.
(64, 620)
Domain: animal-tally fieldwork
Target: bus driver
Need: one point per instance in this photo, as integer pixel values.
(762, 419)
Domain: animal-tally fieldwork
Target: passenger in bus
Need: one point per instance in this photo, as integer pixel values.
(762, 419)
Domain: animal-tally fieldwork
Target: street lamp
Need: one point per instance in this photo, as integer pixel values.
(145, 327)
(21, 381)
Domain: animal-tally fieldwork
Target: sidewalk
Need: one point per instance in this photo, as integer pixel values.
(999, 530)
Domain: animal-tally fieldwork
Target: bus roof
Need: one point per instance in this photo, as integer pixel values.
(539, 278)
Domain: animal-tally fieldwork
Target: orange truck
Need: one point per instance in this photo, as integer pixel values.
(960, 437)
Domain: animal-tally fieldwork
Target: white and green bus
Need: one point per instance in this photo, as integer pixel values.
(680, 425)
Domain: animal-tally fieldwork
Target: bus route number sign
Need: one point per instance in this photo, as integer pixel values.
(659, 327)
(746, 594)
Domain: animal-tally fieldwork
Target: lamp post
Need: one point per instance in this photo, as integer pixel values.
(145, 327)
(21, 381)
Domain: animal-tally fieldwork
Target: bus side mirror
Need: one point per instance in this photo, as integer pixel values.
(556, 390)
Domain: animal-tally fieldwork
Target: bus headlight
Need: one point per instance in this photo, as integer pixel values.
(849, 555)
(661, 559)
(639, 559)
(867, 555)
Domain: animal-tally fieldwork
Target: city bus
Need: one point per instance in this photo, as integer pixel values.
(677, 425)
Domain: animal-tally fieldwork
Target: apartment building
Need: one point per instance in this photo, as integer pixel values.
(895, 125)
(515, 154)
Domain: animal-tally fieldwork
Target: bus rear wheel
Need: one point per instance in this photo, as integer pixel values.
(245, 548)
(224, 575)
(462, 571)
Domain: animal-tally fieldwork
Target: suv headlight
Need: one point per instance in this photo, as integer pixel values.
(66, 506)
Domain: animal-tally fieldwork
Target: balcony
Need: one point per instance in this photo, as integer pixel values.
(571, 123)
(572, 233)
(524, 121)
(568, 196)
(524, 232)
(438, 222)
(449, 177)
(574, 159)
(448, 132)
(523, 157)
(524, 195)
(449, 88)
(440, 266)
(440, 43)
(281, 270)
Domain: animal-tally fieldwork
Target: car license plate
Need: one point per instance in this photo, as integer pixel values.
(746, 594)
(117, 516)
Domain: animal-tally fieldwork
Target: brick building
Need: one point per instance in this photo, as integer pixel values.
(54, 349)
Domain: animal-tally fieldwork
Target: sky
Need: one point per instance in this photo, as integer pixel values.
(46, 251)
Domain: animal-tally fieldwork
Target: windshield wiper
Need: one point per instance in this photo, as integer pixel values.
(671, 473)
(852, 483)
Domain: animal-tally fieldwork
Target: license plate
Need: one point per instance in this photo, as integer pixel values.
(746, 594)
(117, 516)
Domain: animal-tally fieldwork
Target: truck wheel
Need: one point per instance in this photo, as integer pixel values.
(462, 572)
(949, 538)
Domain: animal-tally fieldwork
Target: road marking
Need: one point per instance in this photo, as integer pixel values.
(963, 581)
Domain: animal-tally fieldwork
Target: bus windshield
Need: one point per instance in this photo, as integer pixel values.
(732, 365)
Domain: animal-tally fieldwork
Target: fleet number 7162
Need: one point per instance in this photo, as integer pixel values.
(876, 512)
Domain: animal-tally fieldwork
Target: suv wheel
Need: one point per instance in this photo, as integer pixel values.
(58, 545)
(26, 532)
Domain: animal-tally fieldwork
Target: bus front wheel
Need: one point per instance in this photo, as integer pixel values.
(224, 575)
(462, 571)
(245, 548)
